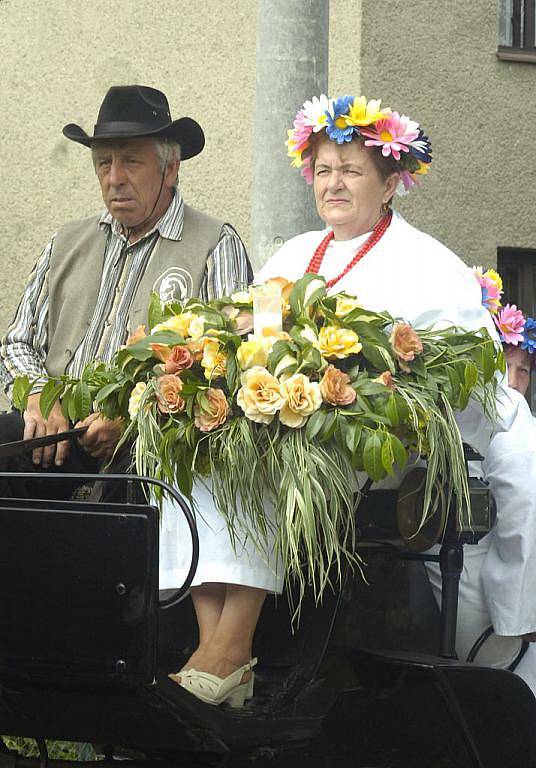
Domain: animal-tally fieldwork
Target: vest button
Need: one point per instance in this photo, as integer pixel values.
(68, 353)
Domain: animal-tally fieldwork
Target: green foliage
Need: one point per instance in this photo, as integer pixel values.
(307, 477)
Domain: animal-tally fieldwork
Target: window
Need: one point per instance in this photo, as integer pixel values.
(517, 37)
(517, 267)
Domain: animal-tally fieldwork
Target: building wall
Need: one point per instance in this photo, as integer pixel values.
(58, 59)
(441, 69)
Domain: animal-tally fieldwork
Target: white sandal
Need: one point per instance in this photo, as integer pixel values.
(216, 690)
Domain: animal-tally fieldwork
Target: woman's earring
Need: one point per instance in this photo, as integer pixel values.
(385, 207)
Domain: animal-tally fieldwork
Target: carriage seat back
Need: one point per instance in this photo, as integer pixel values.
(79, 592)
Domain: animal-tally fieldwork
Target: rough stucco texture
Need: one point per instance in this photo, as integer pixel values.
(440, 68)
(58, 59)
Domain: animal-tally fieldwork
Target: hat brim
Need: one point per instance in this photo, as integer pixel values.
(185, 131)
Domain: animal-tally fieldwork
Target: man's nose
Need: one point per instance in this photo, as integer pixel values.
(116, 175)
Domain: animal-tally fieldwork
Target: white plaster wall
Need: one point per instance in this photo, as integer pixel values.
(436, 62)
(58, 58)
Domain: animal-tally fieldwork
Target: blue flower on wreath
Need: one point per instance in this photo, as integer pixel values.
(529, 336)
(336, 127)
(421, 148)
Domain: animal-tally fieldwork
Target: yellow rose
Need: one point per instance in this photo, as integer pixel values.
(302, 398)
(251, 353)
(196, 328)
(214, 361)
(338, 342)
(260, 395)
(178, 323)
(135, 399)
(345, 305)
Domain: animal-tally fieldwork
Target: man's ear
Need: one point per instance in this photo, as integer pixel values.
(172, 173)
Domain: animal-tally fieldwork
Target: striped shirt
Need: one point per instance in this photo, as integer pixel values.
(23, 349)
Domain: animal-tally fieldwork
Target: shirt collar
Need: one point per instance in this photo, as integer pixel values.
(170, 225)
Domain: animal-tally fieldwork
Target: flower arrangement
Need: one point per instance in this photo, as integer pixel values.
(513, 325)
(344, 118)
(298, 417)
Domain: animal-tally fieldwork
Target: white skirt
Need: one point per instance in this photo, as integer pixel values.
(219, 561)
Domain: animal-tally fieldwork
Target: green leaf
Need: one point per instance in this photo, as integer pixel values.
(387, 454)
(107, 390)
(155, 314)
(329, 426)
(21, 390)
(380, 358)
(314, 424)
(50, 394)
(82, 400)
(372, 457)
(352, 434)
(399, 452)
(470, 376)
(232, 374)
(396, 410)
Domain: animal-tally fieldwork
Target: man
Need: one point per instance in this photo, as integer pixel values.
(91, 286)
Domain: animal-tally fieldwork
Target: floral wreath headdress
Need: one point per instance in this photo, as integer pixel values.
(513, 326)
(348, 116)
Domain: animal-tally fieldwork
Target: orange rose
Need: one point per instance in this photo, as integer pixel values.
(138, 335)
(386, 379)
(168, 394)
(335, 387)
(405, 344)
(179, 359)
(212, 411)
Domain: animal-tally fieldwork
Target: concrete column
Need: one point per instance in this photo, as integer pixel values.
(291, 66)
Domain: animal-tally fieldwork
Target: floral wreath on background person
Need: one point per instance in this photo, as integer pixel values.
(346, 117)
(513, 325)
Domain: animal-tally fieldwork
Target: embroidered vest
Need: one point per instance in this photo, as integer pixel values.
(175, 269)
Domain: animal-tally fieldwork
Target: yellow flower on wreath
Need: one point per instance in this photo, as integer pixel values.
(338, 342)
(214, 361)
(252, 352)
(178, 323)
(260, 395)
(345, 305)
(135, 399)
(302, 398)
(363, 113)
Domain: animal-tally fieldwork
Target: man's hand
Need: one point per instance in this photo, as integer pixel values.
(36, 426)
(101, 437)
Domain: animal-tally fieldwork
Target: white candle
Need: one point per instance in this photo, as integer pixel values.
(267, 311)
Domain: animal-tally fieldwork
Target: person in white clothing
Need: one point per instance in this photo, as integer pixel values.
(356, 155)
(497, 584)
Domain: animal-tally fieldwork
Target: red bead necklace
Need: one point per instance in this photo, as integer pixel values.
(375, 236)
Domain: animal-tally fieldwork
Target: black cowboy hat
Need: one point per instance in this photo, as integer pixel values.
(130, 111)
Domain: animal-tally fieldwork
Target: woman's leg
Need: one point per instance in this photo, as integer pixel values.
(225, 642)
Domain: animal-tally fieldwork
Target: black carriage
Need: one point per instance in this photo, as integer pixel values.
(368, 678)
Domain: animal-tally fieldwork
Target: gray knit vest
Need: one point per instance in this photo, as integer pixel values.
(76, 266)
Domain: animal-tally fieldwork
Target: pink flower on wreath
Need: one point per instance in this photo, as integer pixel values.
(300, 134)
(307, 170)
(510, 322)
(394, 133)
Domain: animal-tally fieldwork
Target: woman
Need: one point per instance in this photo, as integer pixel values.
(517, 335)
(356, 156)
